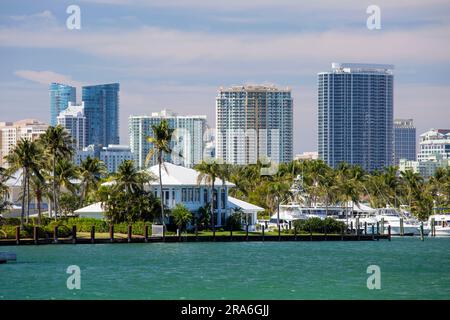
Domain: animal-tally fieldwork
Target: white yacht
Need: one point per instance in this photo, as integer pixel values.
(391, 217)
(441, 225)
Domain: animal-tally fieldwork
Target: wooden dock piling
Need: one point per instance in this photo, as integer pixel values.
(74, 234)
(402, 230)
(111, 233)
(389, 232)
(433, 228)
(130, 233)
(92, 234)
(421, 231)
(146, 233)
(365, 228)
(55, 234)
(35, 235)
(17, 235)
(262, 233)
(246, 232)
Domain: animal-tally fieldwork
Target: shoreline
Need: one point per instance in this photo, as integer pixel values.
(186, 239)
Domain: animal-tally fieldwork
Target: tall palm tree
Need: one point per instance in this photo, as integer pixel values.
(280, 190)
(160, 139)
(208, 172)
(91, 171)
(128, 178)
(40, 189)
(4, 190)
(57, 144)
(224, 173)
(66, 172)
(25, 156)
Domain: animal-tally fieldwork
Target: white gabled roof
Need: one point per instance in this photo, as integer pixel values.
(236, 203)
(92, 208)
(178, 175)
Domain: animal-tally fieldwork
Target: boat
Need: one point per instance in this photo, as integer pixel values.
(441, 225)
(392, 217)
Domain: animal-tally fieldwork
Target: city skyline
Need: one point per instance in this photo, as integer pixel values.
(177, 57)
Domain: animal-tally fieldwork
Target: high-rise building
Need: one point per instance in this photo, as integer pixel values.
(254, 122)
(113, 156)
(188, 137)
(101, 108)
(74, 121)
(12, 132)
(60, 96)
(404, 140)
(434, 142)
(355, 115)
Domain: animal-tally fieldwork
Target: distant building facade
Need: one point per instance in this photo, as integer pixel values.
(188, 137)
(12, 132)
(254, 122)
(434, 153)
(60, 96)
(101, 108)
(310, 155)
(355, 115)
(74, 121)
(404, 140)
(112, 155)
(434, 142)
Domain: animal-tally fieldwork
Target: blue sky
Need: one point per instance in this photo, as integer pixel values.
(176, 53)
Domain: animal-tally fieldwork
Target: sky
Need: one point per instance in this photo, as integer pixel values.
(176, 54)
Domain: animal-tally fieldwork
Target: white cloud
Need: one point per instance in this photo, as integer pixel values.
(46, 77)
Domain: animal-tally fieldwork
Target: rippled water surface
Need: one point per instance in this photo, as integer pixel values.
(410, 269)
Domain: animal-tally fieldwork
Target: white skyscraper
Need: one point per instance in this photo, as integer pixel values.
(254, 122)
(74, 121)
(187, 139)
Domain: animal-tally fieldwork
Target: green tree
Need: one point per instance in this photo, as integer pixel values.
(181, 215)
(208, 172)
(91, 172)
(4, 190)
(25, 156)
(57, 144)
(160, 139)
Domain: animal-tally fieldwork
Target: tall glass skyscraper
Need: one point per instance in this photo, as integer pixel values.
(404, 140)
(101, 108)
(60, 96)
(355, 115)
(254, 122)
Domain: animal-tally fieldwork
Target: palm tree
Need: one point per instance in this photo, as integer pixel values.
(91, 171)
(280, 190)
(39, 189)
(65, 172)
(181, 215)
(224, 173)
(129, 179)
(25, 156)
(208, 172)
(4, 190)
(160, 138)
(58, 145)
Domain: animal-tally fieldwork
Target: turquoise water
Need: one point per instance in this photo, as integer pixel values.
(410, 269)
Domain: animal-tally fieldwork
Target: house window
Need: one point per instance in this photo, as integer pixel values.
(183, 194)
(223, 199)
(197, 195)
